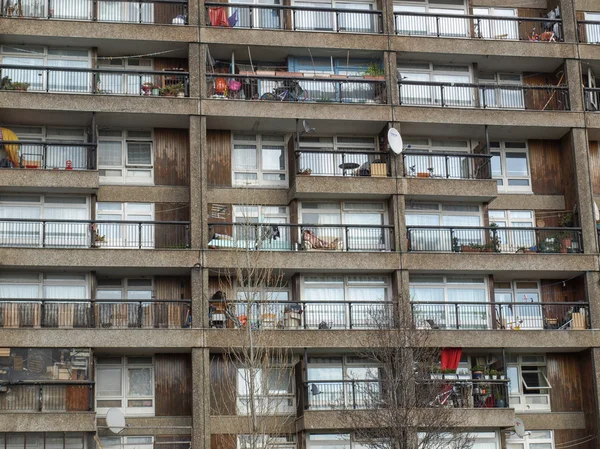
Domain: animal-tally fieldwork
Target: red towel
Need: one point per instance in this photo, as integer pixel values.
(218, 17)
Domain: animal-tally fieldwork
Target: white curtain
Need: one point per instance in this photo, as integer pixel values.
(69, 9)
(25, 291)
(20, 233)
(64, 233)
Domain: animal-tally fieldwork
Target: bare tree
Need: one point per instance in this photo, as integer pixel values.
(412, 408)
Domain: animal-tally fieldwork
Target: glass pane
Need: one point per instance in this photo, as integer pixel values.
(273, 158)
(109, 382)
(516, 164)
(139, 153)
(110, 154)
(140, 381)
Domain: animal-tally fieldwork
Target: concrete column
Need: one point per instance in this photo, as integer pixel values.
(199, 298)
(575, 84)
(202, 59)
(567, 14)
(391, 76)
(195, 62)
(585, 198)
(196, 203)
(193, 12)
(592, 284)
(387, 9)
(401, 288)
(201, 398)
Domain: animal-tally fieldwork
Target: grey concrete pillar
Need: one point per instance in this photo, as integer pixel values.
(196, 202)
(592, 284)
(201, 398)
(569, 21)
(193, 12)
(387, 8)
(391, 76)
(202, 59)
(575, 84)
(401, 288)
(199, 298)
(195, 62)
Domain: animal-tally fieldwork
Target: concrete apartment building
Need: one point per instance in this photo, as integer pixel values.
(146, 145)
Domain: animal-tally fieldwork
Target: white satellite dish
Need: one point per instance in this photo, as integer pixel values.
(395, 140)
(115, 420)
(519, 427)
(596, 212)
(307, 128)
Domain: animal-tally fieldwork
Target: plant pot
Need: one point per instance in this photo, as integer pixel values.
(565, 244)
(437, 376)
(450, 377)
(486, 376)
(499, 403)
(265, 72)
(494, 377)
(423, 175)
(181, 94)
(464, 377)
(477, 374)
(503, 377)
(339, 77)
(374, 77)
(156, 92)
(290, 74)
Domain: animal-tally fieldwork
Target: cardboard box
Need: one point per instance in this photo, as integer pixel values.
(379, 170)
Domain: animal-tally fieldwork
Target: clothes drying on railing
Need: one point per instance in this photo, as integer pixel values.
(218, 17)
(12, 150)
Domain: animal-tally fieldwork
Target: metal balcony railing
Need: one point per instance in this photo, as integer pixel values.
(342, 394)
(94, 81)
(463, 239)
(31, 233)
(296, 237)
(483, 96)
(342, 163)
(53, 155)
(129, 11)
(58, 396)
(473, 393)
(299, 315)
(419, 164)
(296, 18)
(94, 313)
(478, 27)
(588, 31)
(500, 316)
(293, 88)
(592, 97)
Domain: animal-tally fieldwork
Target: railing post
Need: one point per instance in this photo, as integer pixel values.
(41, 398)
(42, 313)
(350, 315)
(437, 26)
(45, 155)
(91, 399)
(347, 238)
(354, 394)
(140, 235)
(457, 319)
(94, 10)
(43, 234)
(337, 21)
(251, 15)
(404, 165)
(47, 80)
(453, 244)
(92, 323)
(187, 235)
(447, 167)
(47, 12)
(537, 241)
(343, 164)
(294, 19)
(495, 240)
(479, 28)
(442, 94)
(140, 12)
(140, 312)
(482, 96)
(304, 316)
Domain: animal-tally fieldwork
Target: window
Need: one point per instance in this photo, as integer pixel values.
(529, 315)
(496, 29)
(479, 440)
(505, 91)
(319, 21)
(592, 30)
(31, 233)
(457, 96)
(54, 80)
(137, 442)
(443, 293)
(529, 389)
(126, 235)
(273, 389)
(125, 157)
(259, 160)
(126, 11)
(326, 230)
(126, 383)
(47, 366)
(269, 236)
(343, 302)
(265, 441)
(340, 149)
(264, 306)
(510, 166)
(260, 18)
(435, 166)
(512, 240)
(40, 440)
(445, 216)
(331, 386)
(119, 83)
(533, 439)
(334, 441)
(429, 26)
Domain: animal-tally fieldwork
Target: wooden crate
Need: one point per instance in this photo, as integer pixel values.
(379, 170)
(578, 322)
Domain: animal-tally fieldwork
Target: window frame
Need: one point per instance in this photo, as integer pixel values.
(260, 395)
(526, 441)
(518, 401)
(259, 171)
(125, 166)
(504, 187)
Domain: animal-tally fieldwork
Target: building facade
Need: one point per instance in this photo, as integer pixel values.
(150, 149)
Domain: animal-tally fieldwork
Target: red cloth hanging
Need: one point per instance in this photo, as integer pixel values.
(451, 358)
(218, 17)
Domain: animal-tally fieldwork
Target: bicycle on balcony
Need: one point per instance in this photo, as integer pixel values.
(290, 92)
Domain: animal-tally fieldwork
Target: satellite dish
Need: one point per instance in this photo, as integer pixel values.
(395, 140)
(307, 128)
(596, 212)
(115, 420)
(519, 427)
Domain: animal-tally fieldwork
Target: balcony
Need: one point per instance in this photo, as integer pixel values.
(124, 11)
(25, 233)
(588, 31)
(465, 394)
(94, 81)
(99, 314)
(60, 396)
(494, 239)
(294, 18)
(500, 316)
(341, 395)
(446, 165)
(342, 163)
(484, 96)
(49, 155)
(300, 237)
(477, 27)
(296, 88)
(302, 315)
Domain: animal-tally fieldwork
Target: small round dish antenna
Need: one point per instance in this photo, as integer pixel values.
(519, 427)
(115, 420)
(395, 140)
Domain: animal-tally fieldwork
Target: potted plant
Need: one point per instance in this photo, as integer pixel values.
(20, 86)
(147, 88)
(464, 374)
(499, 400)
(305, 171)
(494, 374)
(436, 374)
(501, 375)
(450, 374)
(174, 90)
(374, 72)
(478, 372)
(565, 237)
(486, 374)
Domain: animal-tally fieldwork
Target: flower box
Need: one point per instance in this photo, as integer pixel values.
(423, 175)
(374, 77)
(290, 74)
(265, 72)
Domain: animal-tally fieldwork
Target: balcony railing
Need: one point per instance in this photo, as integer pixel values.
(489, 239)
(94, 81)
(483, 96)
(499, 316)
(418, 164)
(59, 396)
(295, 88)
(473, 393)
(96, 313)
(128, 11)
(296, 18)
(588, 31)
(51, 155)
(295, 237)
(342, 163)
(31, 233)
(298, 315)
(592, 97)
(478, 27)
(342, 394)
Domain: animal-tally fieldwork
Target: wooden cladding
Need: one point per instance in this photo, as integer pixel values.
(526, 27)
(222, 441)
(218, 158)
(589, 395)
(171, 157)
(573, 290)
(222, 387)
(563, 372)
(546, 163)
(173, 374)
(172, 287)
(171, 236)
